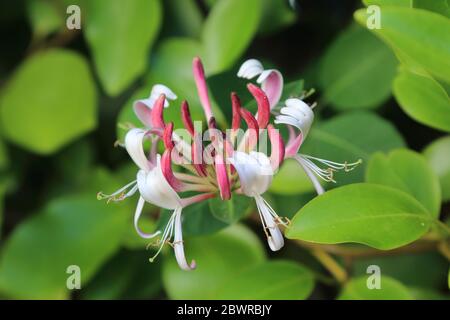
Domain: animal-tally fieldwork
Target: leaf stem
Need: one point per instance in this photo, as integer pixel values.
(330, 264)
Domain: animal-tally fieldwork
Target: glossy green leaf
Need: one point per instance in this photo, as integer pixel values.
(423, 99)
(410, 172)
(374, 215)
(49, 101)
(421, 35)
(437, 154)
(45, 17)
(349, 137)
(119, 59)
(220, 258)
(438, 6)
(357, 70)
(271, 280)
(391, 289)
(232, 210)
(76, 230)
(228, 30)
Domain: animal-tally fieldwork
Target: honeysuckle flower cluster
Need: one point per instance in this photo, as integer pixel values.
(227, 162)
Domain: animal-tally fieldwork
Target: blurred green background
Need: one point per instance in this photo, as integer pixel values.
(63, 93)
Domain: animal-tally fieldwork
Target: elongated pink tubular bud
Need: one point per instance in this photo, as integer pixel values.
(249, 119)
(222, 176)
(277, 147)
(293, 145)
(253, 129)
(197, 155)
(199, 77)
(263, 105)
(166, 167)
(157, 112)
(186, 117)
(167, 136)
(236, 107)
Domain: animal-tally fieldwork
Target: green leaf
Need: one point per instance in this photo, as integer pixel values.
(76, 230)
(120, 58)
(407, 171)
(4, 158)
(420, 35)
(228, 30)
(182, 18)
(400, 3)
(374, 215)
(399, 267)
(438, 6)
(349, 137)
(201, 220)
(423, 99)
(391, 289)
(42, 108)
(220, 258)
(45, 18)
(4, 183)
(128, 275)
(276, 16)
(287, 205)
(271, 280)
(131, 239)
(427, 294)
(232, 210)
(437, 155)
(357, 70)
(291, 179)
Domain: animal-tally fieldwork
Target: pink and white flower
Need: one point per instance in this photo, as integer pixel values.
(228, 163)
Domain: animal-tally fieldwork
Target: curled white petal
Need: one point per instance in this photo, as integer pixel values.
(254, 170)
(298, 114)
(155, 189)
(137, 215)
(143, 106)
(134, 146)
(178, 243)
(159, 89)
(270, 220)
(264, 75)
(271, 80)
(250, 69)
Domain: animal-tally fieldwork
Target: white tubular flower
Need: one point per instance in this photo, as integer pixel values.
(255, 175)
(271, 80)
(298, 114)
(153, 188)
(143, 107)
